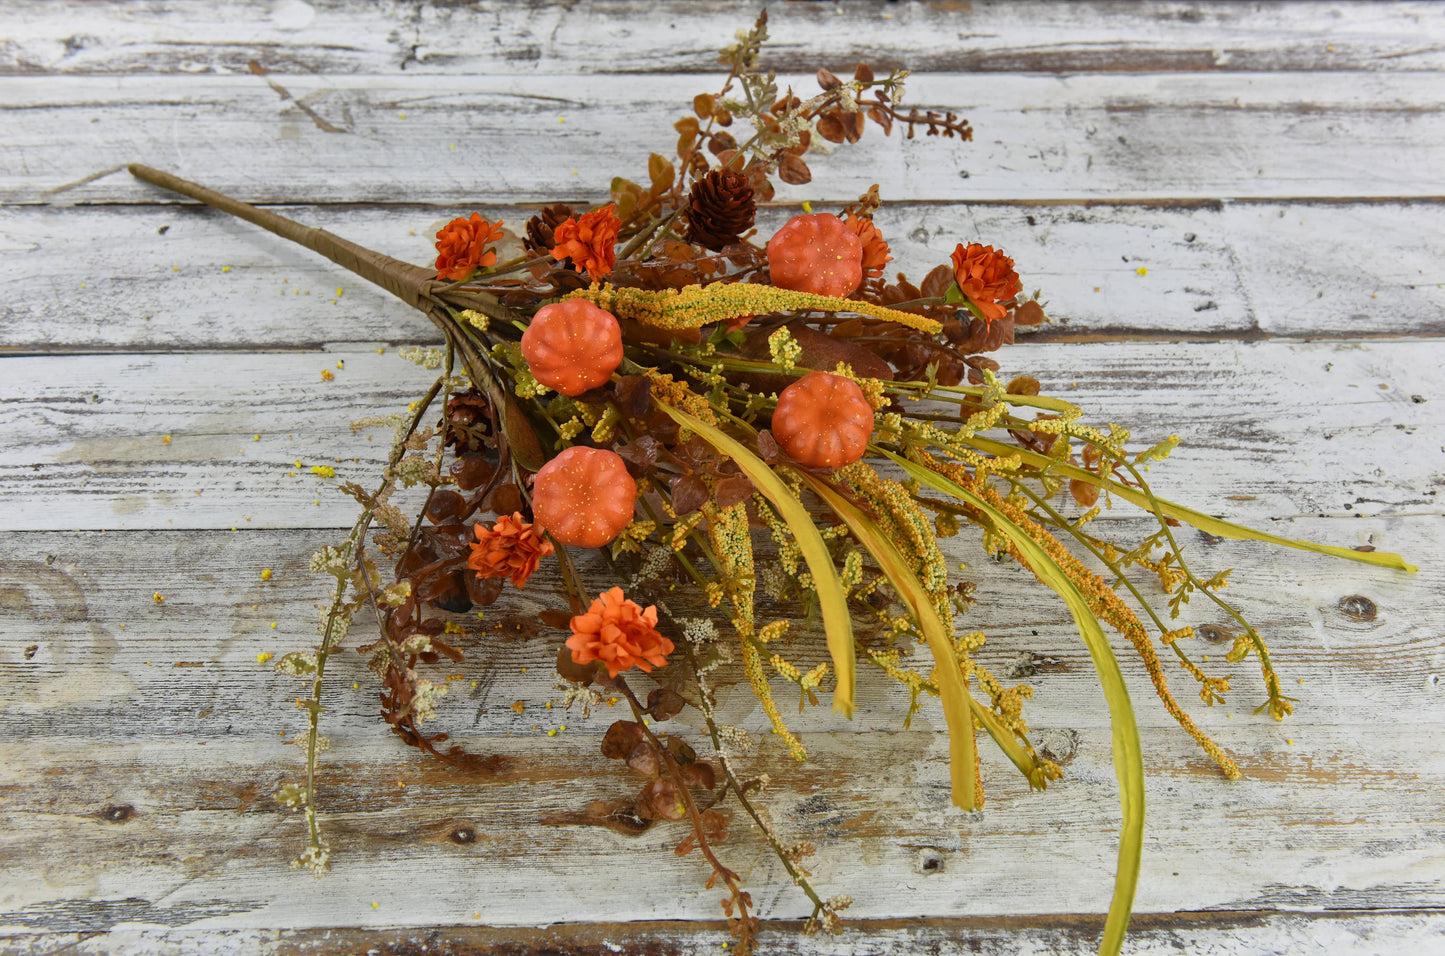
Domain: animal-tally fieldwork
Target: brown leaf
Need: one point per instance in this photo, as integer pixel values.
(634, 395)
(830, 127)
(1083, 492)
(864, 73)
(767, 445)
(507, 499)
(828, 81)
(792, 170)
(688, 494)
(621, 737)
(640, 455)
(645, 759)
(882, 117)
(937, 282)
(664, 703)
(854, 125)
(484, 591)
(570, 670)
(680, 751)
(1030, 313)
(663, 799)
(703, 105)
(700, 774)
(446, 650)
(1023, 385)
(721, 142)
(722, 117)
(661, 171)
(733, 491)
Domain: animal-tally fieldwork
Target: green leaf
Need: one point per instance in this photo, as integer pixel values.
(962, 748)
(1128, 757)
(832, 599)
(1198, 519)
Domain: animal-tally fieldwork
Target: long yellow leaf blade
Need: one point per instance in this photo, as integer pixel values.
(837, 624)
(1128, 756)
(962, 748)
(1198, 519)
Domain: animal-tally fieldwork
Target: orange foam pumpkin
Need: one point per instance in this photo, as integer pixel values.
(572, 346)
(823, 420)
(817, 254)
(584, 496)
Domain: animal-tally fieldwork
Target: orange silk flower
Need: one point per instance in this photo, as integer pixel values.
(987, 277)
(510, 549)
(620, 634)
(875, 250)
(462, 246)
(590, 242)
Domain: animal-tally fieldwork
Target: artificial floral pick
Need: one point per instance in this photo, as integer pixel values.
(746, 432)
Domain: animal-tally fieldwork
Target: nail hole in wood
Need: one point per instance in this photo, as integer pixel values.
(930, 862)
(463, 836)
(1358, 607)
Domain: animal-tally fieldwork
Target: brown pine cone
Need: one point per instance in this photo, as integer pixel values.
(469, 420)
(720, 208)
(539, 240)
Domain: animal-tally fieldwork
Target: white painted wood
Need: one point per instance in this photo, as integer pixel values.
(1315, 934)
(496, 37)
(89, 277)
(82, 437)
(1335, 811)
(536, 138)
(1330, 845)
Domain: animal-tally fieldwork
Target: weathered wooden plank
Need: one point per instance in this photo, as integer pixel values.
(82, 438)
(107, 277)
(1216, 934)
(86, 600)
(134, 790)
(453, 139)
(354, 36)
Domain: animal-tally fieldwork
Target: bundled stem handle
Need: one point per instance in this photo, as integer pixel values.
(410, 283)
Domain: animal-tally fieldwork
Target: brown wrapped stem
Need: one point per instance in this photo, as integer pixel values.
(411, 284)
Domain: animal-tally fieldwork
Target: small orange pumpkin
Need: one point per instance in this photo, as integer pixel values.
(823, 420)
(584, 496)
(572, 346)
(817, 254)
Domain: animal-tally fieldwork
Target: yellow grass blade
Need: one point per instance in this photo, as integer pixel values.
(1198, 519)
(962, 748)
(1128, 757)
(837, 624)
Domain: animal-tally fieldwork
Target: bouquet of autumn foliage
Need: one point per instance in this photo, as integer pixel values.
(776, 425)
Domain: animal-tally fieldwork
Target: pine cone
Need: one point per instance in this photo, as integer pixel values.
(469, 422)
(720, 208)
(539, 239)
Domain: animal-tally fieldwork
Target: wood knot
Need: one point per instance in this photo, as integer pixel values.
(1060, 746)
(463, 836)
(1214, 634)
(117, 814)
(1358, 607)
